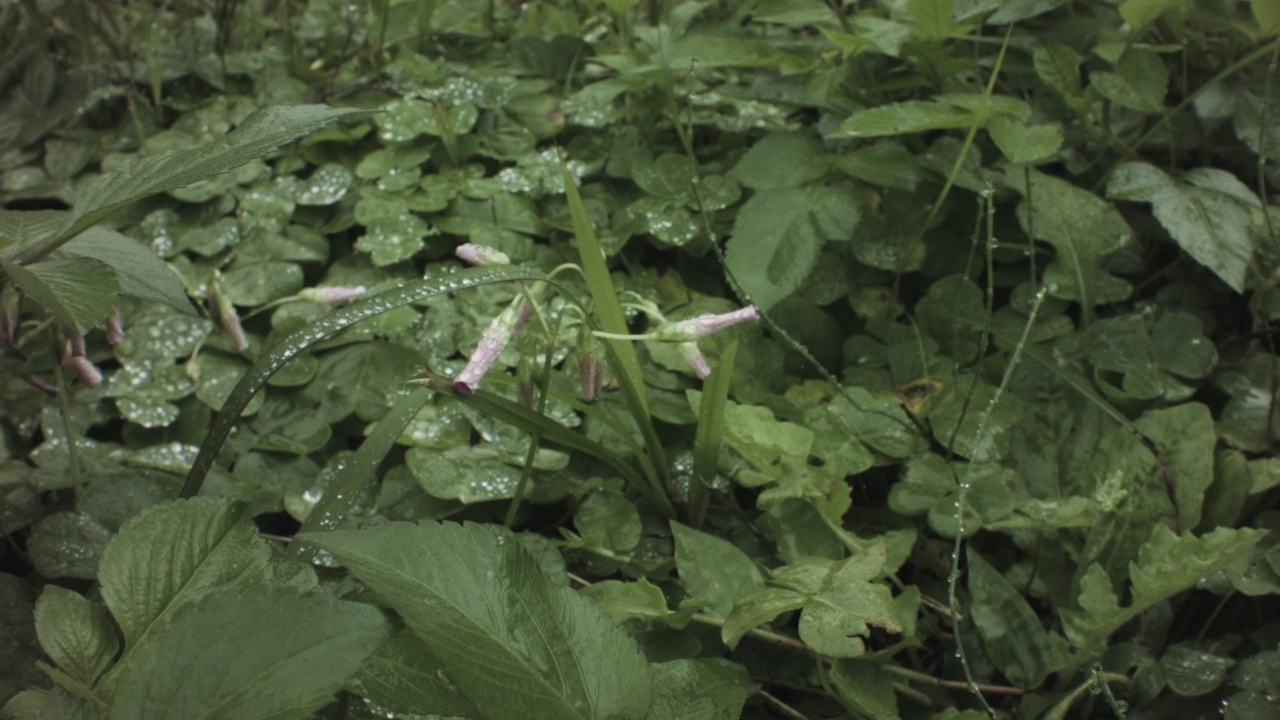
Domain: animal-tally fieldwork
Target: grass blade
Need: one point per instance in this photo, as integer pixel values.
(710, 435)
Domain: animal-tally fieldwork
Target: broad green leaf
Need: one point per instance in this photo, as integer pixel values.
(1140, 81)
(258, 283)
(670, 175)
(1141, 13)
(80, 292)
(931, 486)
(932, 19)
(779, 233)
(864, 689)
(762, 439)
(1250, 419)
(1083, 230)
(248, 653)
(28, 228)
(141, 272)
(1013, 11)
(1167, 564)
(67, 544)
(1267, 13)
(471, 474)
(839, 603)
(699, 689)
(608, 520)
(782, 160)
(258, 135)
(404, 677)
(1191, 672)
(886, 163)
(1021, 142)
(1012, 633)
(969, 418)
(174, 553)
(904, 118)
(514, 643)
(713, 570)
(627, 600)
(362, 379)
(393, 232)
(1206, 211)
(1155, 357)
(76, 634)
(1183, 437)
(1058, 66)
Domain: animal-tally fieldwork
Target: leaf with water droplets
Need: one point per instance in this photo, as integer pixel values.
(393, 233)
(549, 653)
(67, 544)
(327, 185)
(699, 689)
(476, 474)
(77, 634)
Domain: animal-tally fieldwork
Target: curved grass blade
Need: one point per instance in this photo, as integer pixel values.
(359, 470)
(327, 326)
(710, 434)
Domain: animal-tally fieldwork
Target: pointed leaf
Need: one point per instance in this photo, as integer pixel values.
(1207, 212)
(142, 273)
(174, 553)
(75, 633)
(245, 654)
(404, 677)
(699, 689)
(516, 644)
(1011, 631)
(80, 292)
(714, 570)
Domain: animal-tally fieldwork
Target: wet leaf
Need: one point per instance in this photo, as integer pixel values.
(699, 689)
(713, 570)
(1206, 211)
(549, 652)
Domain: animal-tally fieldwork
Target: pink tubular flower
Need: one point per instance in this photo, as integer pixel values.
(88, 373)
(495, 338)
(478, 255)
(226, 313)
(591, 364)
(695, 328)
(332, 295)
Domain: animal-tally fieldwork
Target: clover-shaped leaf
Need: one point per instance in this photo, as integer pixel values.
(1153, 358)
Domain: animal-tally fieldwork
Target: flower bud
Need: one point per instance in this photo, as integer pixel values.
(479, 255)
(226, 312)
(332, 295)
(495, 338)
(591, 364)
(701, 326)
(692, 355)
(115, 330)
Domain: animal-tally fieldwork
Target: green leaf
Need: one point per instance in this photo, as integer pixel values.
(1058, 66)
(762, 439)
(1022, 142)
(174, 553)
(479, 594)
(1206, 211)
(76, 634)
(968, 417)
(709, 437)
(627, 600)
(779, 233)
(782, 160)
(1167, 565)
(1011, 631)
(404, 677)
(885, 163)
(713, 570)
(1083, 230)
(141, 272)
(1141, 13)
(1191, 672)
(609, 521)
(1267, 13)
(904, 118)
(839, 603)
(864, 689)
(1155, 356)
(932, 19)
(80, 292)
(259, 134)
(699, 689)
(248, 653)
(1140, 81)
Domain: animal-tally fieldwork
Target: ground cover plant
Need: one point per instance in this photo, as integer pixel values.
(778, 359)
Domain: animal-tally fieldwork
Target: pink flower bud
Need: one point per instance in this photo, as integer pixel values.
(88, 373)
(591, 364)
(692, 355)
(479, 255)
(332, 295)
(495, 338)
(226, 313)
(115, 330)
(701, 326)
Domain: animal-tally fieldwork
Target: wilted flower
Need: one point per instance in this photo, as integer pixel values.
(478, 255)
(332, 295)
(701, 326)
(591, 364)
